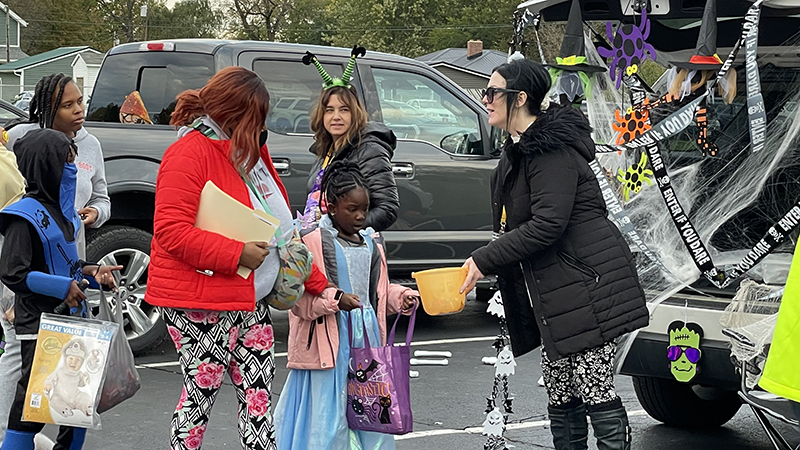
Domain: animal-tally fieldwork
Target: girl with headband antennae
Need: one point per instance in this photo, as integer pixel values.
(342, 133)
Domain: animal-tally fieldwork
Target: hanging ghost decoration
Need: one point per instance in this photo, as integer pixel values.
(684, 350)
(494, 425)
(629, 49)
(505, 363)
(496, 306)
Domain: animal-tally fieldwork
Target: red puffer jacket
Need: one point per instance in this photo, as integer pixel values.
(180, 252)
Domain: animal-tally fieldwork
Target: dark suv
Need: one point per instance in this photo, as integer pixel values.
(442, 169)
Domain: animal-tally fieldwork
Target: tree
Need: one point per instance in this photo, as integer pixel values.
(393, 26)
(124, 16)
(53, 24)
(306, 23)
(259, 20)
(187, 19)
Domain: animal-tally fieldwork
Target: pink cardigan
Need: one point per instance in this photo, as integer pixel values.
(313, 329)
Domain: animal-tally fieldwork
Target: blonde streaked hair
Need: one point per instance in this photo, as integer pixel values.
(727, 86)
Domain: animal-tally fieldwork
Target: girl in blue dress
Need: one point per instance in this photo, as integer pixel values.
(311, 412)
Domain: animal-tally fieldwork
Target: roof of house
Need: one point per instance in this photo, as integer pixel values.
(14, 15)
(91, 58)
(456, 58)
(15, 53)
(44, 57)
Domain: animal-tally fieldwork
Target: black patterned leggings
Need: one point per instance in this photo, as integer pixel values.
(587, 376)
(210, 343)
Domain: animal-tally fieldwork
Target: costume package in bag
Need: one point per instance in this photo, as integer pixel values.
(122, 379)
(378, 388)
(69, 369)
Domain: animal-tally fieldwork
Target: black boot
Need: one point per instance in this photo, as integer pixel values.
(610, 424)
(569, 427)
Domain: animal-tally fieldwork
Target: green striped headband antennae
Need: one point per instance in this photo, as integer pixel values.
(348, 71)
(330, 81)
(310, 58)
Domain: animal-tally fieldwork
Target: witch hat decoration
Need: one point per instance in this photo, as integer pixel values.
(705, 53)
(329, 81)
(572, 56)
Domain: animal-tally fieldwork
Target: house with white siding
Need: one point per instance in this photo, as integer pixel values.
(81, 63)
(16, 23)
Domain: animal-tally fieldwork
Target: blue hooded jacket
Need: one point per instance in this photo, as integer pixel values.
(40, 257)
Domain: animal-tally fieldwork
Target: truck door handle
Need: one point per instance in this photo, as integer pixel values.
(282, 166)
(403, 170)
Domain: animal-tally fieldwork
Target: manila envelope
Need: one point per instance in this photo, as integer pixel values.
(222, 214)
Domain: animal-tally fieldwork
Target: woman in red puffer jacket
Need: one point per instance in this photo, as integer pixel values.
(218, 320)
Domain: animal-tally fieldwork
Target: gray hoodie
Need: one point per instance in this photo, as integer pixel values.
(92, 190)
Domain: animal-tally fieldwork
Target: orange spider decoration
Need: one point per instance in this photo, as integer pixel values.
(632, 125)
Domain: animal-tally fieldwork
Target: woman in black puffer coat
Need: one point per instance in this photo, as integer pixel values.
(342, 133)
(566, 274)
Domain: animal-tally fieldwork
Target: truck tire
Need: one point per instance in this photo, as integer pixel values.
(681, 405)
(130, 247)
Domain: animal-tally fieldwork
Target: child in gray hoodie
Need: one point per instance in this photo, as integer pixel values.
(58, 104)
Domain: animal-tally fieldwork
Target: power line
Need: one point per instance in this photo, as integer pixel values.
(405, 28)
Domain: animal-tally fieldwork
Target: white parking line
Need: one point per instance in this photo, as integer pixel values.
(283, 354)
(479, 430)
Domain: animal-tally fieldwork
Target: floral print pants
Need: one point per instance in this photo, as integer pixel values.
(587, 376)
(208, 344)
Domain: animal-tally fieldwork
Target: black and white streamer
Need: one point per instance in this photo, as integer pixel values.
(679, 121)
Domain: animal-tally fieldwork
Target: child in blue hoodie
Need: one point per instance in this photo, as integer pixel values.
(40, 262)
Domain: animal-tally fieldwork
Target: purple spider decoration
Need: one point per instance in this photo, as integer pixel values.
(629, 49)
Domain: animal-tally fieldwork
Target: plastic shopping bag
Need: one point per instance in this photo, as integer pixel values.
(378, 391)
(69, 368)
(122, 379)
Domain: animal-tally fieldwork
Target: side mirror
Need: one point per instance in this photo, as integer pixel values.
(462, 143)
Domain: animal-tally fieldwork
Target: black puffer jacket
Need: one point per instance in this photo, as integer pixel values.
(374, 158)
(566, 273)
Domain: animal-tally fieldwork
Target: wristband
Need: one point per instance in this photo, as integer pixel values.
(339, 294)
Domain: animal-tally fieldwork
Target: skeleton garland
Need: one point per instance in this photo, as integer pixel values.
(499, 404)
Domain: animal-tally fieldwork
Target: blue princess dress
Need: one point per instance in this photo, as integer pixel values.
(311, 411)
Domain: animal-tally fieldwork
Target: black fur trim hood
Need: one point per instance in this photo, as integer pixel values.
(557, 129)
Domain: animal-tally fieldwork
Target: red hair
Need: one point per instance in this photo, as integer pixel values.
(236, 99)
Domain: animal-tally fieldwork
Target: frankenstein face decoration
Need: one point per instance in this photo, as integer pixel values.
(684, 350)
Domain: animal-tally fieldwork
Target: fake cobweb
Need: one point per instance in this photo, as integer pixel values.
(732, 198)
(751, 317)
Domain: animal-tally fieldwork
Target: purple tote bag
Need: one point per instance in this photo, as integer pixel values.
(378, 393)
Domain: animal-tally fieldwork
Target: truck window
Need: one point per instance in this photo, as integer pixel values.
(293, 91)
(416, 107)
(158, 76)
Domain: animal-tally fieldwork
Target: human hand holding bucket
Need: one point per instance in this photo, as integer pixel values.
(440, 290)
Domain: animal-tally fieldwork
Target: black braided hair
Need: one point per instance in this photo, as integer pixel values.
(43, 109)
(339, 179)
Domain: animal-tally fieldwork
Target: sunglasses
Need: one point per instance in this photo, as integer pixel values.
(674, 353)
(489, 93)
(131, 118)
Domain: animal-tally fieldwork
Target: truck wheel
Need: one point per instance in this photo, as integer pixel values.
(130, 247)
(684, 405)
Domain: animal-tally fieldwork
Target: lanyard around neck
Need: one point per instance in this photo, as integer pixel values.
(278, 232)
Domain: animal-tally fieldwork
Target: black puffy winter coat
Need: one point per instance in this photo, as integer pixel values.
(566, 273)
(374, 159)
